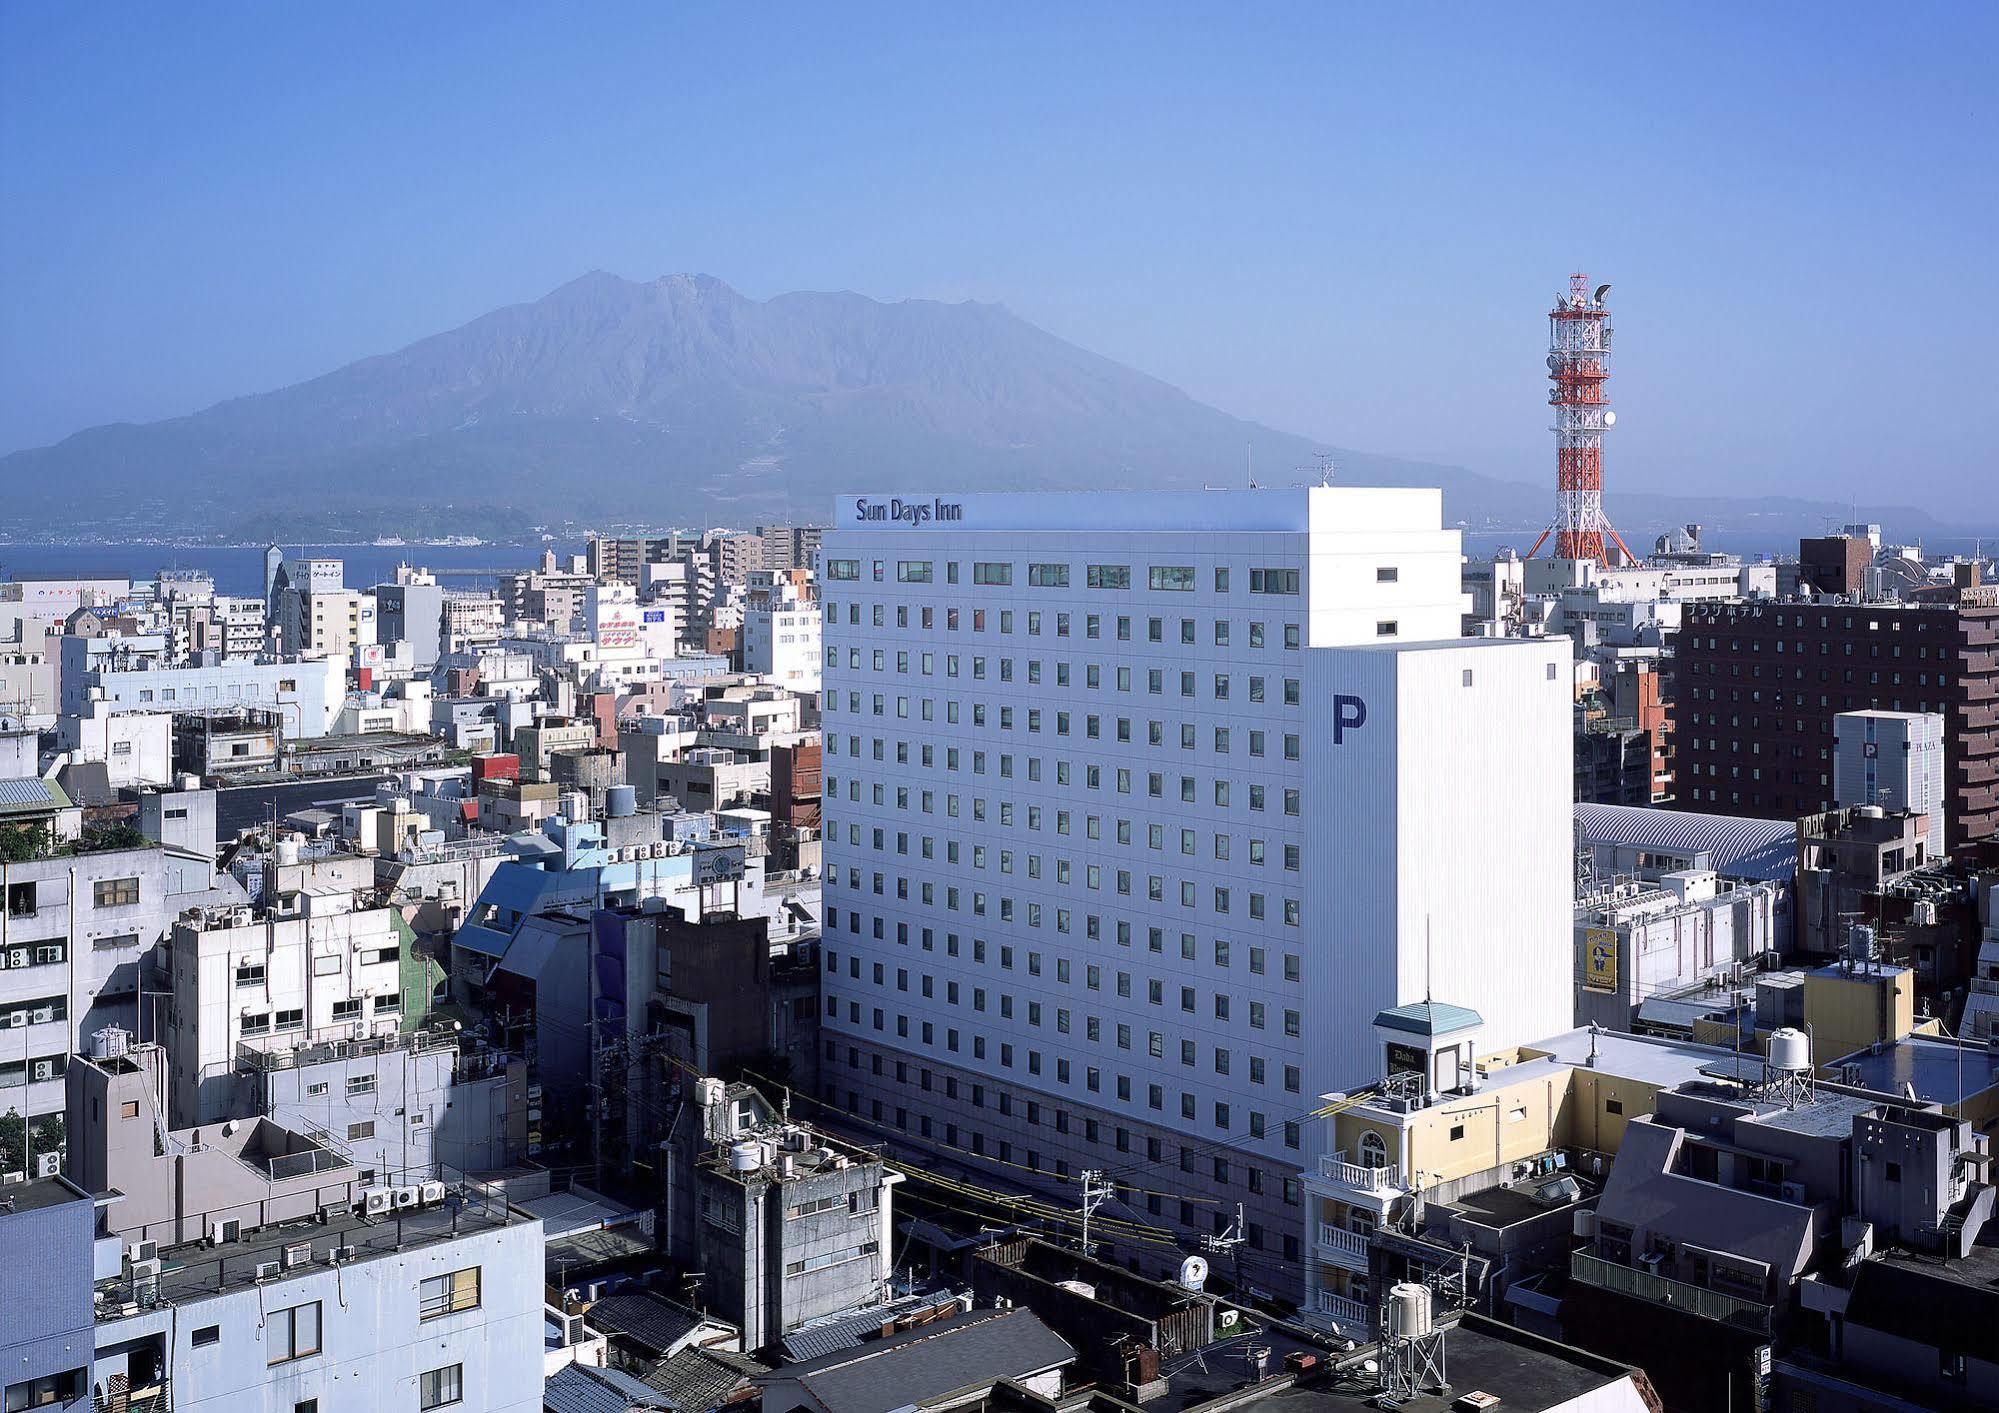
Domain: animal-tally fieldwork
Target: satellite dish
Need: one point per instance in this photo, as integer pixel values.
(1194, 1272)
(1601, 291)
(1610, 419)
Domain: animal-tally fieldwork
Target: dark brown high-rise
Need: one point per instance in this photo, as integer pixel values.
(1757, 684)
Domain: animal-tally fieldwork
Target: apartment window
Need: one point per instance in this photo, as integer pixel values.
(293, 1334)
(21, 899)
(360, 1084)
(1387, 574)
(114, 892)
(49, 1391)
(439, 1387)
(449, 1294)
(206, 1335)
(358, 1131)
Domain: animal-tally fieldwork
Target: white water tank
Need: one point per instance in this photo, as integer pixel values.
(1408, 1310)
(746, 1157)
(1790, 1050)
(288, 852)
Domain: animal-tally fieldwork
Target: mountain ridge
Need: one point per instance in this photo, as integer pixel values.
(681, 400)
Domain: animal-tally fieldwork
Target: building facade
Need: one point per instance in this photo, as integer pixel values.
(1759, 685)
(1139, 808)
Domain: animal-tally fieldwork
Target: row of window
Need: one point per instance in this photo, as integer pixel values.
(1057, 624)
(1170, 578)
(24, 899)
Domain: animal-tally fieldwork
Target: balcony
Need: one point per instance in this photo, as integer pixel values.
(1346, 1248)
(1660, 1290)
(1361, 1177)
(1348, 1314)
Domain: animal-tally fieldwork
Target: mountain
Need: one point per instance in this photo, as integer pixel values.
(681, 401)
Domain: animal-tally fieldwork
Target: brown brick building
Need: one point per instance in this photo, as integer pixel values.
(1756, 686)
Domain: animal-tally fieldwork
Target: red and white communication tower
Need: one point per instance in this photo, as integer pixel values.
(1578, 365)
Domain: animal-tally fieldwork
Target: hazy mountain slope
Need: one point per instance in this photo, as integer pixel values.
(681, 401)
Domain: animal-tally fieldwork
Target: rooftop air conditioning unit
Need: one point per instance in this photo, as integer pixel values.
(142, 1251)
(297, 1254)
(225, 1229)
(432, 1193)
(148, 1270)
(1791, 1192)
(340, 1253)
(267, 1270)
(48, 1165)
(407, 1196)
(377, 1200)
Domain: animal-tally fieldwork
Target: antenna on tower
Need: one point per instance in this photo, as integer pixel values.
(1578, 365)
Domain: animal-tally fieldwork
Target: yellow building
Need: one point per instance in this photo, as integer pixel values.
(1445, 1123)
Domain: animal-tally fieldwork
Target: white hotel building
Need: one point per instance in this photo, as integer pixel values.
(1139, 807)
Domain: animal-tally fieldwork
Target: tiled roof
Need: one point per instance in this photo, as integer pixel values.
(578, 1388)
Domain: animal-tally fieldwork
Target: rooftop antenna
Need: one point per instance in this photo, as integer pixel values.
(1327, 466)
(1249, 461)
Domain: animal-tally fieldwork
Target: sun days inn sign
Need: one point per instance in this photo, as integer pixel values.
(896, 510)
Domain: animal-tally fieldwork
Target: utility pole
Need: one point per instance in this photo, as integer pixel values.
(1229, 1244)
(1095, 1193)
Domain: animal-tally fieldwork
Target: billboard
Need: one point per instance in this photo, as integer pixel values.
(1600, 959)
(724, 865)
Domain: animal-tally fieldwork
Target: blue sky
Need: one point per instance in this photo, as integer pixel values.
(1345, 220)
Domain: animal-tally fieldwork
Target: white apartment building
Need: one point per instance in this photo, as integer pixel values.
(141, 674)
(1140, 807)
(781, 635)
(327, 971)
(136, 747)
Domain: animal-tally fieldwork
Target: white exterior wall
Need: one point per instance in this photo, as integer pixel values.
(782, 642)
(137, 747)
(317, 686)
(1470, 826)
(1443, 861)
(1893, 759)
(374, 1345)
(311, 964)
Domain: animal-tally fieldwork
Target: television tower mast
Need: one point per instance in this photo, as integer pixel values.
(1578, 365)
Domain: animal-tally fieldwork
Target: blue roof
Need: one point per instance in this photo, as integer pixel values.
(1430, 1018)
(578, 1388)
(1759, 849)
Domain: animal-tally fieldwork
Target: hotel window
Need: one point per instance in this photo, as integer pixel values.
(912, 571)
(1273, 581)
(1386, 628)
(1178, 578)
(1048, 576)
(984, 572)
(1108, 576)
